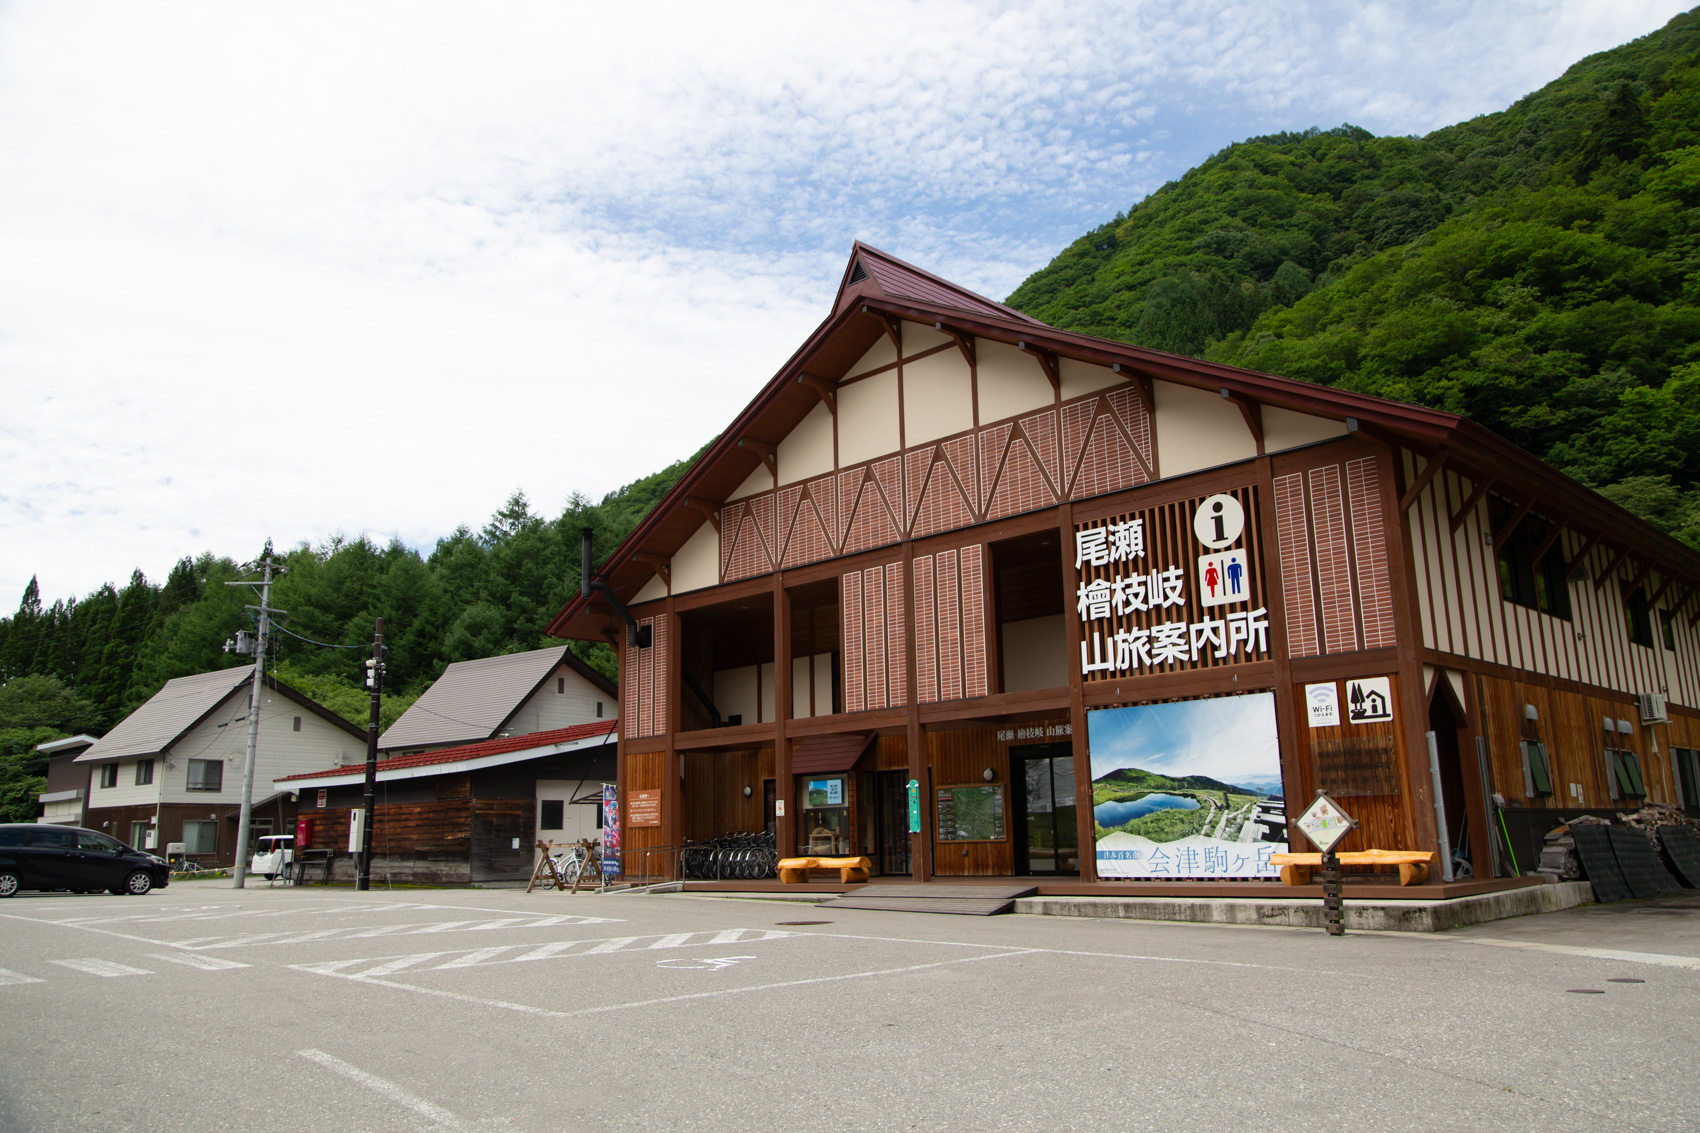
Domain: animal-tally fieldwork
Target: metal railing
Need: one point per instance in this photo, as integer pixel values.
(647, 857)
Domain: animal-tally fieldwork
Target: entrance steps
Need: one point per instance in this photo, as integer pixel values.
(967, 900)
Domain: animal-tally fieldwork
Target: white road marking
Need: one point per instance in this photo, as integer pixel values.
(521, 953)
(389, 1089)
(703, 965)
(1663, 959)
(246, 940)
(191, 960)
(106, 968)
(8, 977)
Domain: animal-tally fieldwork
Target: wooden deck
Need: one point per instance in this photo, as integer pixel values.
(1368, 888)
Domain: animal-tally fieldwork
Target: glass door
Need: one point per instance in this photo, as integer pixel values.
(1047, 839)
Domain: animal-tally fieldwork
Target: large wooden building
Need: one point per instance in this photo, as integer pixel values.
(945, 541)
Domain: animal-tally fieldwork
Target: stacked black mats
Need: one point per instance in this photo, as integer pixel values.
(1683, 849)
(1599, 864)
(1639, 861)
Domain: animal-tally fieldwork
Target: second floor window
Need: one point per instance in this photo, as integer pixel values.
(1639, 619)
(144, 772)
(109, 774)
(206, 775)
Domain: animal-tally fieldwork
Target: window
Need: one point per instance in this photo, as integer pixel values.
(200, 837)
(552, 815)
(139, 835)
(599, 710)
(14, 836)
(109, 775)
(54, 839)
(297, 727)
(560, 684)
(1667, 629)
(1538, 585)
(1537, 773)
(1626, 766)
(144, 772)
(1687, 762)
(100, 843)
(206, 775)
(1636, 613)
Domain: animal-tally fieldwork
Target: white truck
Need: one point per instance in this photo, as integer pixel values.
(272, 855)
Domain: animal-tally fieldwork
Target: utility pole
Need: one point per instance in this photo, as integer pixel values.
(375, 682)
(239, 874)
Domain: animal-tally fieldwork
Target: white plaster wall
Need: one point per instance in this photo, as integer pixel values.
(734, 693)
(867, 418)
(1198, 428)
(761, 480)
(653, 590)
(1010, 382)
(1283, 428)
(921, 336)
(807, 450)
(881, 353)
(1082, 377)
(696, 565)
(1035, 654)
(938, 397)
(547, 709)
(800, 686)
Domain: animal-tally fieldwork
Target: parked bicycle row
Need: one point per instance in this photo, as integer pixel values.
(741, 857)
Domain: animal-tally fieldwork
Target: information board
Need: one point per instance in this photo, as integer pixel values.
(970, 814)
(645, 808)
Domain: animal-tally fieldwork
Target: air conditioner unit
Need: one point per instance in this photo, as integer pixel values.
(1653, 708)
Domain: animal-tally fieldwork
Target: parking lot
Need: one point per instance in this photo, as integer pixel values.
(200, 1007)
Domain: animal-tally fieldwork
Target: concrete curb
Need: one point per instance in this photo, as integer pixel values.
(1363, 916)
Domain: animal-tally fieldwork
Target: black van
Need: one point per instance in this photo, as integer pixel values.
(43, 856)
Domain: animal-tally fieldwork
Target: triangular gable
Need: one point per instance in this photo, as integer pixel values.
(873, 273)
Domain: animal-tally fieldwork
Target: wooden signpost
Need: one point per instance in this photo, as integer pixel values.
(1326, 825)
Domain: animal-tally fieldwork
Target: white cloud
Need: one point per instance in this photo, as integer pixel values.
(291, 272)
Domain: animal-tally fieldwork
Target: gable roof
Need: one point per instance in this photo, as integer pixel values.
(473, 699)
(465, 757)
(887, 290)
(183, 703)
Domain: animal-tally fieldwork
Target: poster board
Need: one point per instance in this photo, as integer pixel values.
(645, 808)
(972, 813)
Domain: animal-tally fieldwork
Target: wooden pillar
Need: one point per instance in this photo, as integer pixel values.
(785, 826)
(920, 844)
(1087, 825)
(1418, 796)
(1294, 748)
(672, 792)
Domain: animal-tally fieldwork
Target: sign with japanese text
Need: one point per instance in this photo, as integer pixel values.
(646, 808)
(1187, 788)
(1150, 602)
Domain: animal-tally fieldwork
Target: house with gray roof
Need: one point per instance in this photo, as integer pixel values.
(171, 771)
(493, 697)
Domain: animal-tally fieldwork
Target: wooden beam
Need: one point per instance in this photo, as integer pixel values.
(1611, 567)
(1469, 507)
(1552, 537)
(659, 564)
(964, 342)
(826, 388)
(769, 454)
(1510, 525)
(892, 326)
(1047, 363)
(1140, 382)
(708, 508)
(1645, 570)
(1251, 411)
(1429, 472)
(1670, 580)
(1580, 562)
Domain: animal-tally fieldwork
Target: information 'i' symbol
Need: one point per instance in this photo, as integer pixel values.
(1216, 520)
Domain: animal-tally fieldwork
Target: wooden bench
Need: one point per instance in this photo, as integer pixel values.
(1413, 864)
(795, 871)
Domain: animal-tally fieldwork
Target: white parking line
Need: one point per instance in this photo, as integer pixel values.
(376, 966)
(246, 940)
(389, 1089)
(8, 977)
(204, 963)
(107, 968)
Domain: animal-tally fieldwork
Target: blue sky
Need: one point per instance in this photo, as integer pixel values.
(1229, 738)
(556, 247)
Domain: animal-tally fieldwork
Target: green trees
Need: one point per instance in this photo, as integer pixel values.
(34, 710)
(1537, 270)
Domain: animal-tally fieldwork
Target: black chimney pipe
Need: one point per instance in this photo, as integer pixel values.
(637, 636)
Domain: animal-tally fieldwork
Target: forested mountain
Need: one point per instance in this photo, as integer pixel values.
(1537, 269)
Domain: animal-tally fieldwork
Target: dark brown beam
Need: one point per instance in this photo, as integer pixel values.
(708, 509)
(1670, 580)
(1429, 472)
(826, 388)
(1140, 382)
(1552, 537)
(769, 454)
(1580, 562)
(1469, 507)
(660, 564)
(1251, 411)
(1500, 535)
(1611, 567)
(1047, 363)
(891, 324)
(964, 342)
(1645, 570)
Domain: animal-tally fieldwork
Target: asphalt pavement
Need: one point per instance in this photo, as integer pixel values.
(204, 1008)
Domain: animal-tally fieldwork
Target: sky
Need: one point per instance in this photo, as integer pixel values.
(293, 272)
(1231, 739)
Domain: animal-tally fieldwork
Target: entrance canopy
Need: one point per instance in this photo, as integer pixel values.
(821, 755)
